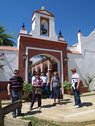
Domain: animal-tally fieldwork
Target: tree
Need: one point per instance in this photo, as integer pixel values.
(5, 38)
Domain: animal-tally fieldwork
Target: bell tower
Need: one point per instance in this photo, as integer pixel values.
(43, 25)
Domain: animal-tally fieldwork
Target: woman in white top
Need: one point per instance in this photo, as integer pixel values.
(34, 76)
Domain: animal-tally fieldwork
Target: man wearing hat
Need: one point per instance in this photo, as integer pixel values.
(75, 86)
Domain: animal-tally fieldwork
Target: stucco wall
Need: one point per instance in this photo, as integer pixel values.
(10, 63)
(85, 60)
(75, 61)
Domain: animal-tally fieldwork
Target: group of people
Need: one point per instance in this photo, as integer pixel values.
(41, 86)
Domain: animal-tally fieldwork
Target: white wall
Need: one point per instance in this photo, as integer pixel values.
(10, 63)
(85, 60)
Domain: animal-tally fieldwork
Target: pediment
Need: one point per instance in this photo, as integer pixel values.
(44, 12)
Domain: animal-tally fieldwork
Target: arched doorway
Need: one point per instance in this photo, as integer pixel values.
(45, 63)
(29, 47)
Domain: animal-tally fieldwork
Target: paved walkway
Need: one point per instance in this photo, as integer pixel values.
(64, 112)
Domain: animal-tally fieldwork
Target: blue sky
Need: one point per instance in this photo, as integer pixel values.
(70, 16)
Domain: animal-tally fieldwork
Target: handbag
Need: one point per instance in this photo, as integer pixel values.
(38, 91)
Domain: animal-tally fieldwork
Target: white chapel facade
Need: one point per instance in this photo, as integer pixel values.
(43, 40)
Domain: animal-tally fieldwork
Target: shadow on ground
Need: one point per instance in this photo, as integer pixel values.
(32, 112)
(87, 104)
(65, 101)
(48, 106)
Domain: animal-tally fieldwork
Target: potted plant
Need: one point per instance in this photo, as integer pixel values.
(27, 89)
(67, 87)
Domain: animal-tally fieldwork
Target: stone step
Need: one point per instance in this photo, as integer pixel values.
(83, 89)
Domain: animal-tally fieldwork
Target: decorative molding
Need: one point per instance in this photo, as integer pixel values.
(49, 50)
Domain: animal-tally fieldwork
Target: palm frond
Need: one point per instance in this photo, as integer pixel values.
(5, 38)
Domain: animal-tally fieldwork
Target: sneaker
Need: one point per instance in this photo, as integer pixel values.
(39, 108)
(58, 102)
(80, 106)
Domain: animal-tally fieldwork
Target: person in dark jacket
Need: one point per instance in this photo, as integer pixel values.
(15, 87)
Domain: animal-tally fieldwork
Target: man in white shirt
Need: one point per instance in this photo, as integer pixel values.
(45, 84)
(75, 87)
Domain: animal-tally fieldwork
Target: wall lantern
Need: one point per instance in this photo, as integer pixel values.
(66, 59)
(25, 57)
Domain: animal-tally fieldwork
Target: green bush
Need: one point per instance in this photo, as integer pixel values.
(27, 87)
(67, 85)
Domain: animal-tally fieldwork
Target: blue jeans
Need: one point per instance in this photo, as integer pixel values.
(76, 94)
(16, 95)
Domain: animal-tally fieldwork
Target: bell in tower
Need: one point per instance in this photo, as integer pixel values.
(43, 25)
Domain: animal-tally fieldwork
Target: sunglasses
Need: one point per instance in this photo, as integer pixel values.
(15, 73)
